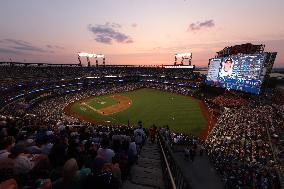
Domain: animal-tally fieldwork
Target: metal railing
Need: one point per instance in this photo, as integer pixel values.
(173, 175)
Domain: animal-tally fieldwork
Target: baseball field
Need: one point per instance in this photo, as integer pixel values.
(180, 113)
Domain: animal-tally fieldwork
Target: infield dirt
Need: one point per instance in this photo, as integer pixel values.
(124, 102)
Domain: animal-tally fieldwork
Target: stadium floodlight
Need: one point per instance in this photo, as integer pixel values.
(90, 55)
(83, 54)
(100, 56)
(183, 55)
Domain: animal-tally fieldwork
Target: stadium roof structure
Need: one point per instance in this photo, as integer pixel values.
(246, 48)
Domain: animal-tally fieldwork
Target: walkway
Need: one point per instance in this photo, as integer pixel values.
(147, 174)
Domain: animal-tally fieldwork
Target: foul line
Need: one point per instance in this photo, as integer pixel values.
(92, 108)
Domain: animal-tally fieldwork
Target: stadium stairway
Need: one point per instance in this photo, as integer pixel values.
(147, 174)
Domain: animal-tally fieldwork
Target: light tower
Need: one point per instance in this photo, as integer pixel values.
(88, 56)
(79, 59)
(89, 62)
(184, 57)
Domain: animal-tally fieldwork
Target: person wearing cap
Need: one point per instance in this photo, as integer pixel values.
(227, 68)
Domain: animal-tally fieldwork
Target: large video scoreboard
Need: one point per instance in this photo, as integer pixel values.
(244, 72)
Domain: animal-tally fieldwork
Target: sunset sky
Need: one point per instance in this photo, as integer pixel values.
(136, 31)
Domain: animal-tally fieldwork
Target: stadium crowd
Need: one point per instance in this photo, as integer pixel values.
(241, 149)
(230, 101)
(61, 156)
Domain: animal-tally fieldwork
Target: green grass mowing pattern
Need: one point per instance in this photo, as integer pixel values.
(181, 113)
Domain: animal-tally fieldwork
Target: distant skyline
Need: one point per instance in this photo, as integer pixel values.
(136, 31)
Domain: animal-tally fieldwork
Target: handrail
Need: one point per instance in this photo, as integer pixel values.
(174, 173)
(168, 167)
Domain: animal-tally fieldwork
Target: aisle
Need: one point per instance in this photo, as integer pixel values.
(147, 174)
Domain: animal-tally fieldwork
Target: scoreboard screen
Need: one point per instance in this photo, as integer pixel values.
(239, 72)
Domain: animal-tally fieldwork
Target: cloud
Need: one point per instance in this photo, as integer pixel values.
(108, 33)
(29, 48)
(21, 47)
(9, 51)
(134, 25)
(129, 41)
(16, 42)
(113, 25)
(54, 47)
(201, 25)
(103, 39)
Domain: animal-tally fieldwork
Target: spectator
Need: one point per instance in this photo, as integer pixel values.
(72, 177)
(139, 136)
(102, 177)
(106, 153)
(23, 163)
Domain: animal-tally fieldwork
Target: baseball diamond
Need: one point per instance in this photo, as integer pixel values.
(161, 108)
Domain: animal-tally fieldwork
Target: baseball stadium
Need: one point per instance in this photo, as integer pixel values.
(160, 126)
(155, 108)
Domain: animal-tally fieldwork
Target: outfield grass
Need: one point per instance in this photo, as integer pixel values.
(181, 113)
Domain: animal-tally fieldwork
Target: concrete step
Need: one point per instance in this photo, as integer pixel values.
(150, 152)
(151, 146)
(147, 176)
(149, 182)
(150, 156)
(129, 185)
(147, 173)
(146, 162)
